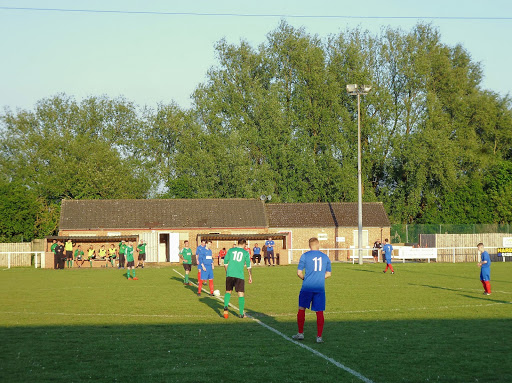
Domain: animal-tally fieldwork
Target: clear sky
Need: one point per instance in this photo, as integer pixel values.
(159, 58)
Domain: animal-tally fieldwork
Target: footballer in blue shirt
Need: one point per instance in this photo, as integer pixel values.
(387, 250)
(312, 293)
(485, 269)
(199, 251)
(270, 251)
(206, 266)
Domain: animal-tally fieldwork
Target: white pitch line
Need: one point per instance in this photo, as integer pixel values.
(312, 350)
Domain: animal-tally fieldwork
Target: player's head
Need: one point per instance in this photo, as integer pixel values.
(314, 244)
(208, 244)
(112, 245)
(386, 240)
(203, 242)
(79, 246)
(255, 245)
(480, 246)
(242, 242)
(54, 241)
(270, 238)
(185, 243)
(102, 246)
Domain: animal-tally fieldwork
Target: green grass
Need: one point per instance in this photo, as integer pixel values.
(426, 323)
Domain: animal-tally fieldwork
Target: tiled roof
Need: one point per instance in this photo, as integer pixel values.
(162, 213)
(321, 214)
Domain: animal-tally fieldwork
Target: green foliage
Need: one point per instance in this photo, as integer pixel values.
(276, 119)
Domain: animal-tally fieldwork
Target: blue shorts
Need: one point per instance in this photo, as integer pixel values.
(485, 274)
(208, 274)
(314, 300)
(388, 260)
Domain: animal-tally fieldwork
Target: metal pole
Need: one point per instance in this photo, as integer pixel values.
(359, 185)
(8, 260)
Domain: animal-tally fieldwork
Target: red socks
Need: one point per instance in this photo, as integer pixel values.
(319, 323)
(487, 286)
(199, 286)
(301, 318)
(388, 265)
(211, 285)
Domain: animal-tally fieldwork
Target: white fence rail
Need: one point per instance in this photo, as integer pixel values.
(20, 258)
(402, 253)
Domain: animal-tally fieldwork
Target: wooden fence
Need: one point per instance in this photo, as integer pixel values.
(15, 249)
(462, 247)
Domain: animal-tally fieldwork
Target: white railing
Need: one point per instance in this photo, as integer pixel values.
(444, 254)
(26, 258)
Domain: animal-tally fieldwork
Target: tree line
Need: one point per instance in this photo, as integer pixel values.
(276, 119)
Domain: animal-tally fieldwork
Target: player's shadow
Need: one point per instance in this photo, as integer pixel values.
(188, 287)
(487, 299)
(368, 271)
(436, 287)
(215, 304)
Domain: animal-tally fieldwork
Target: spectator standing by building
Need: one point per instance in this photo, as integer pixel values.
(141, 248)
(222, 255)
(69, 253)
(59, 255)
(54, 246)
(376, 249)
(256, 254)
(122, 249)
(270, 251)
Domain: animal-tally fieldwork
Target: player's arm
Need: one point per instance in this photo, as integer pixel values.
(328, 274)
(328, 269)
(300, 274)
(249, 270)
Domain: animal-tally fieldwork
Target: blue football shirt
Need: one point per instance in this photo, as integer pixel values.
(256, 250)
(205, 257)
(199, 251)
(387, 248)
(270, 245)
(316, 264)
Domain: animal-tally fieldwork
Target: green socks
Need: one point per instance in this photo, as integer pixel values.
(71, 263)
(186, 278)
(133, 273)
(90, 263)
(241, 303)
(227, 297)
(128, 273)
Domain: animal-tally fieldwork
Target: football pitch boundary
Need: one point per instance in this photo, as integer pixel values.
(277, 332)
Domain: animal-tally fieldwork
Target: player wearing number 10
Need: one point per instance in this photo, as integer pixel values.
(312, 293)
(234, 262)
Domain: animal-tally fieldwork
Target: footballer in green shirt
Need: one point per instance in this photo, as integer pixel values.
(186, 255)
(234, 262)
(130, 262)
(142, 253)
(122, 249)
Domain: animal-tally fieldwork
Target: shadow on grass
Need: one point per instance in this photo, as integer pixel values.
(368, 271)
(459, 292)
(192, 352)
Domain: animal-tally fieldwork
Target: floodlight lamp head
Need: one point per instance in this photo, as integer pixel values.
(367, 88)
(269, 197)
(351, 88)
(263, 197)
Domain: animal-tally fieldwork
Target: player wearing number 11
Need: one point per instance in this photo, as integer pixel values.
(312, 293)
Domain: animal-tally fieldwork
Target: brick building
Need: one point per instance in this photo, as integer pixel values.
(165, 223)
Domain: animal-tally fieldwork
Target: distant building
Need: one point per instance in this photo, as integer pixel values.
(165, 223)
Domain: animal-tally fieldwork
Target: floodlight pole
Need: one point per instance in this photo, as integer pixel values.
(359, 185)
(355, 90)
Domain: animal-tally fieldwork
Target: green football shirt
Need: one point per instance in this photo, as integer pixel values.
(54, 246)
(78, 253)
(236, 258)
(142, 248)
(129, 253)
(186, 253)
(122, 248)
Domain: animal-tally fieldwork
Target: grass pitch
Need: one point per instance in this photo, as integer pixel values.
(426, 323)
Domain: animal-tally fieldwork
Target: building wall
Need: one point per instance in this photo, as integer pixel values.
(297, 240)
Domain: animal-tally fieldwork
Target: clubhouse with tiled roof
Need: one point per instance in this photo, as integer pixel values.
(165, 223)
